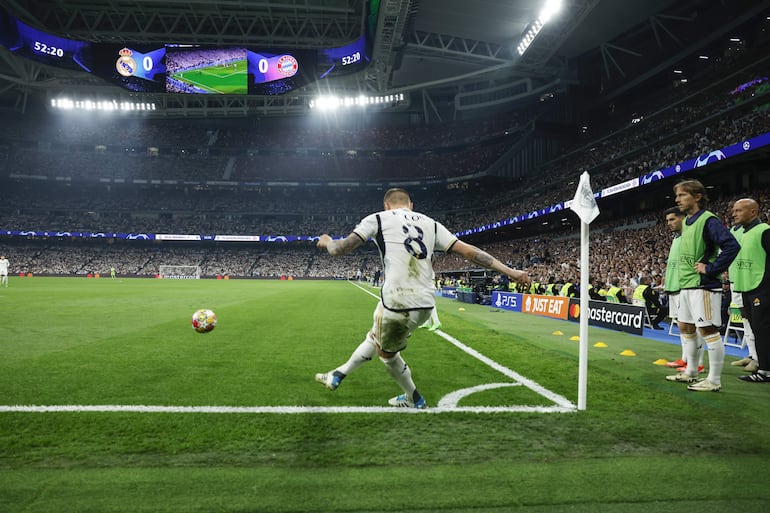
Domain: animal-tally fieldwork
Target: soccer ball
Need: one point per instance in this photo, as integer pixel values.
(204, 320)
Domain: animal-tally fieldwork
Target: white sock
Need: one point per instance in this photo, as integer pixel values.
(716, 357)
(701, 350)
(701, 342)
(363, 353)
(400, 371)
(748, 336)
(691, 346)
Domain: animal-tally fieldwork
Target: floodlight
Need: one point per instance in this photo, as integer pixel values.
(333, 102)
(552, 8)
(111, 105)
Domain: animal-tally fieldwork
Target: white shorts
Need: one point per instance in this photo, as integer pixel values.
(700, 307)
(737, 300)
(673, 305)
(391, 329)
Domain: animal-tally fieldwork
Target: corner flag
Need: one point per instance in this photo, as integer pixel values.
(584, 204)
(585, 207)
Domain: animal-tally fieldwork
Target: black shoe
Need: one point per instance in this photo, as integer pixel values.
(658, 327)
(755, 378)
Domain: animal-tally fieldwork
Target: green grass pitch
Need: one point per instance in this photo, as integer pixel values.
(280, 442)
(218, 79)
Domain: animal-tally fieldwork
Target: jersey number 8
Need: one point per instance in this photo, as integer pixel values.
(422, 251)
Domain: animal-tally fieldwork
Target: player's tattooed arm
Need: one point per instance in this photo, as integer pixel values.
(340, 246)
(483, 259)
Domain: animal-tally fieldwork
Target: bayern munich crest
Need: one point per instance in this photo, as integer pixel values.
(287, 66)
(126, 65)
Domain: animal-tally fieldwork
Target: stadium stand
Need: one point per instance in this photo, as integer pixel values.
(228, 177)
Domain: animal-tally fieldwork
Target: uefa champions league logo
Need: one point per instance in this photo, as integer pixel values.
(657, 175)
(707, 159)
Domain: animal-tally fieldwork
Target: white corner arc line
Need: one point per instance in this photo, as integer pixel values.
(532, 385)
(451, 400)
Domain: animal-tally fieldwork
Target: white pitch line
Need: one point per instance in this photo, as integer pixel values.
(367, 291)
(451, 400)
(125, 408)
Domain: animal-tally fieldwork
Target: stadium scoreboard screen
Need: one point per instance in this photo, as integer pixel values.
(180, 68)
(203, 70)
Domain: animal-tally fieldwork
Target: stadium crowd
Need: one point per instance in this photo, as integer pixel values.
(626, 252)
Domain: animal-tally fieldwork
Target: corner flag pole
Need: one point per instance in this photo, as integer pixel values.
(584, 205)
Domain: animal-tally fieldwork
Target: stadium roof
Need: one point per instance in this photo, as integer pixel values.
(448, 55)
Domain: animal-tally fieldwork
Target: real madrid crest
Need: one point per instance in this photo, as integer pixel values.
(126, 65)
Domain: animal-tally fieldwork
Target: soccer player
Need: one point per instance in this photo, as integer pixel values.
(4, 270)
(700, 265)
(674, 220)
(751, 278)
(406, 241)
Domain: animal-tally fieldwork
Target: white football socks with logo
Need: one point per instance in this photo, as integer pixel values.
(691, 346)
(748, 337)
(400, 371)
(362, 354)
(716, 357)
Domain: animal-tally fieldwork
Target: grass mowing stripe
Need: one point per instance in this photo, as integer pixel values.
(618, 485)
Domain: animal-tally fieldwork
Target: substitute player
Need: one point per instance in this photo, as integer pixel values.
(700, 300)
(406, 241)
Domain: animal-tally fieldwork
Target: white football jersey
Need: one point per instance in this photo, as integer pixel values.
(4, 266)
(406, 241)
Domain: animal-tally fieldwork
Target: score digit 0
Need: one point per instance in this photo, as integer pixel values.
(263, 66)
(147, 63)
